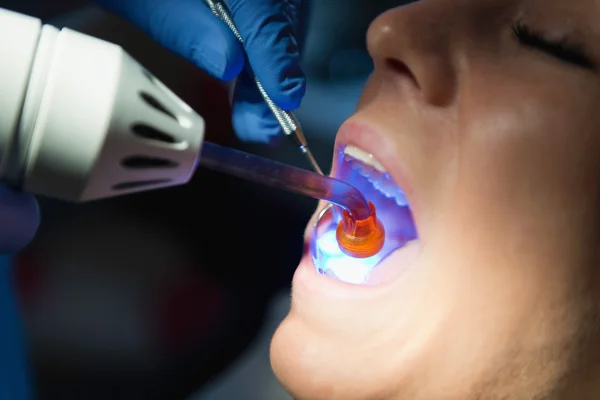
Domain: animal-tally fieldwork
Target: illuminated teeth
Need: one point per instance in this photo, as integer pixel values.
(369, 167)
(364, 157)
(386, 186)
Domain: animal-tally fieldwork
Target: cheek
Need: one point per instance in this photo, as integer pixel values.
(527, 147)
(532, 120)
(522, 194)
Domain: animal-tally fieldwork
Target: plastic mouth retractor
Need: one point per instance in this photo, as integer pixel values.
(93, 123)
(361, 238)
(330, 259)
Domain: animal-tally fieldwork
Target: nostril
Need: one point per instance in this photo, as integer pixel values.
(401, 68)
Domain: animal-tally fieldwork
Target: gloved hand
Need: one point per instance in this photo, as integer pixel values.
(19, 219)
(269, 28)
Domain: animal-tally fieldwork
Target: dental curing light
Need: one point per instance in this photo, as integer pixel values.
(81, 120)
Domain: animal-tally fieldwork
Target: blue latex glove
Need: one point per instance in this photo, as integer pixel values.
(19, 219)
(269, 28)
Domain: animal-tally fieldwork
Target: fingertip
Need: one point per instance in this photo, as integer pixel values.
(290, 92)
(281, 76)
(19, 219)
(255, 123)
(252, 119)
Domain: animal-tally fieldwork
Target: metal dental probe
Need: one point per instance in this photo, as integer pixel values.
(286, 119)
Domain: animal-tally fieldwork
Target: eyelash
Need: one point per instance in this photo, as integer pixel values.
(559, 49)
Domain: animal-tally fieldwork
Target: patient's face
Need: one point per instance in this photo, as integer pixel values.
(494, 135)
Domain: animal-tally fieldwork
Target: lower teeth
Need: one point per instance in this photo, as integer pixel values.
(381, 181)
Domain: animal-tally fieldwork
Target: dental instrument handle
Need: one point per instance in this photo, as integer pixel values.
(287, 120)
(297, 180)
(81, 120)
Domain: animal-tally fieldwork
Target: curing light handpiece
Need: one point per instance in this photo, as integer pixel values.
(81, 120)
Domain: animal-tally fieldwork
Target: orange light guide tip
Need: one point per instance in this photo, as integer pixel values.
(361, 238)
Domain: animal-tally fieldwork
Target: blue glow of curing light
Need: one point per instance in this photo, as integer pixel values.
(331, 261)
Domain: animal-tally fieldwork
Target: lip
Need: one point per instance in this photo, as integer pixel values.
(308, 283)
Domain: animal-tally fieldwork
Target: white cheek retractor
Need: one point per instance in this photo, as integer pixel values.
(82, 120)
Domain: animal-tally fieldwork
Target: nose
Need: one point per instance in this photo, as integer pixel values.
(410, 44)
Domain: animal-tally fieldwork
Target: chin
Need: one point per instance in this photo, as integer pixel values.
(312, 367)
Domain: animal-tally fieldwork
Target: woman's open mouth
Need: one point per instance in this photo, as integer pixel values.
(364, 171)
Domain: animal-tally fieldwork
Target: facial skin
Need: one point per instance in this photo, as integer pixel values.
(497, 145)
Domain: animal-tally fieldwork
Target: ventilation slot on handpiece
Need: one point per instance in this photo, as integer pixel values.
(142, 162)
(157, 105)
(148, 132)
(139, 184)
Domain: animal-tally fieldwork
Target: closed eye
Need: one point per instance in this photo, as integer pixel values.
(562, 50)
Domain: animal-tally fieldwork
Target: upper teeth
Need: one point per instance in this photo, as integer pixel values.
(369, 167)
(364, 157)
